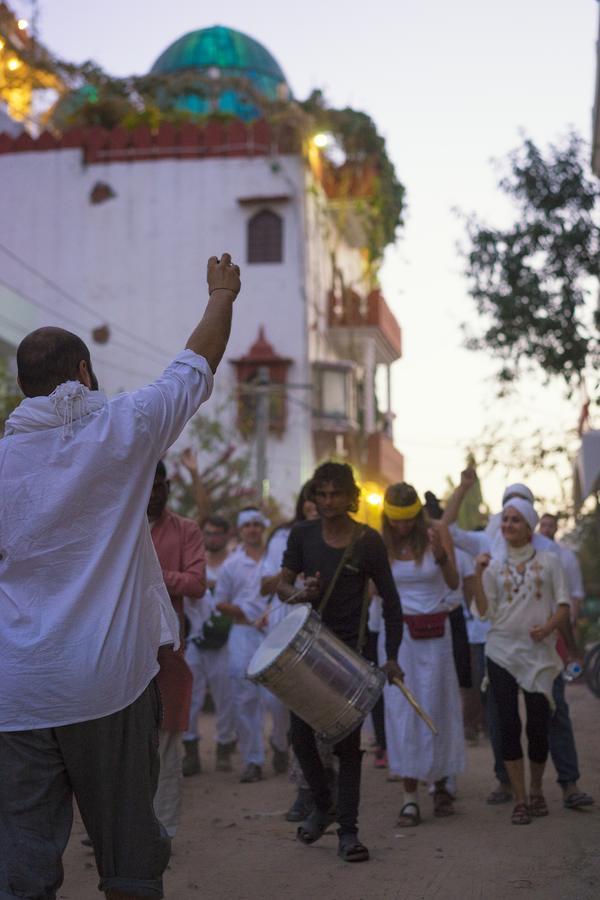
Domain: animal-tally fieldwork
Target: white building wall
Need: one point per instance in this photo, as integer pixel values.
(137, 262)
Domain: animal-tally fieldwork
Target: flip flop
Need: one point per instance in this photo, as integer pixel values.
(350, 849)
(537, 806)
(577, 799)
(315, 825)
(411, 819)
(499, 795)
(443, 803)
(520, 815)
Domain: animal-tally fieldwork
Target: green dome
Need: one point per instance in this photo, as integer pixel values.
(224, 52)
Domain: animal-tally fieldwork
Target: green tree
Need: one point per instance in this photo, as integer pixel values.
(223, 469)
(10, 396)
(531, 282)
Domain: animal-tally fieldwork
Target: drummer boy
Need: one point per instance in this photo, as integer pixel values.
(338, 557)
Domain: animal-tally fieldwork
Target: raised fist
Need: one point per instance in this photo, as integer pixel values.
(223, 275)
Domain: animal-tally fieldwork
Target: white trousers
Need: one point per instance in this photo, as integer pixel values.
(167, 800)
(248, 698)
(210, 669)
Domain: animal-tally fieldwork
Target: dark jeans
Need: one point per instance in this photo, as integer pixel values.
(111, 767)
(474, 701)
(561, 738)
(460, 647)
(350, 756)
(506, 694)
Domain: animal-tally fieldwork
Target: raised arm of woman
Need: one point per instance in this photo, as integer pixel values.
(480, 596)
(443, 553)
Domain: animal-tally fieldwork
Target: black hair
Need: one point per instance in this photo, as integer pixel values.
(161, 470)
(48, 357)
(433, 506)
(338, 474)
(217, 522)
(303, 496)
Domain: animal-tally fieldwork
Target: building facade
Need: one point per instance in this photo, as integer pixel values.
(107, 233)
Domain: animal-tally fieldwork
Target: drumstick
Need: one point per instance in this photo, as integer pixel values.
(264, 618)
(414, 703)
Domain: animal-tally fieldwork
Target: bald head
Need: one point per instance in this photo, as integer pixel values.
(49, 356)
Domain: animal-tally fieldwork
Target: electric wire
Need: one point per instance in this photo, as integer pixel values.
(66, 318)
(113, 365)
(77, 302)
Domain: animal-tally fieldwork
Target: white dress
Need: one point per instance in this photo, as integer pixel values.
(517, 601)
(413, 750)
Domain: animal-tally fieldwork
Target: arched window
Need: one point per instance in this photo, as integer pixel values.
(265, 237)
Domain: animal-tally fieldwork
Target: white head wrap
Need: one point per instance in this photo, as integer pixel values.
(525, 509)
(519, 490)
(252, 515)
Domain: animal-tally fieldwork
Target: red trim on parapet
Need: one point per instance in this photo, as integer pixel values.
(216, 138)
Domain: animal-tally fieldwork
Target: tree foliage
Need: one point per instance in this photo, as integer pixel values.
(224, 470)
(532, 282)
(10, 396)
(357, 136)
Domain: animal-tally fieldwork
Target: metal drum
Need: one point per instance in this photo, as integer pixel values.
(316, 675)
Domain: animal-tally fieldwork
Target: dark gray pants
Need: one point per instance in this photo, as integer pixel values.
(111, 767)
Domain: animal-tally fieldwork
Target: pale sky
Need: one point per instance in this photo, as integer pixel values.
(450, 86)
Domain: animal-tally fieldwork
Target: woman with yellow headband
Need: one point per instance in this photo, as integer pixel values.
(423, 566)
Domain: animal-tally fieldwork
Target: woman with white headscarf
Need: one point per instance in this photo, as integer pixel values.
(524, 594)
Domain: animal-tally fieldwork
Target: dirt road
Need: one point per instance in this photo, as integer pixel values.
(235, 845)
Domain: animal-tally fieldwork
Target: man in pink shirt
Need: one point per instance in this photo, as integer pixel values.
(180, 549)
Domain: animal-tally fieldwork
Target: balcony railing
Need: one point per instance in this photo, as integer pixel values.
(351, 311)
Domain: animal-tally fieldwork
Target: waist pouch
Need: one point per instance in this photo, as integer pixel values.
(424, 627)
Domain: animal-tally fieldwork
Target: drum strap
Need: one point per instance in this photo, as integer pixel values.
(364, 615)
(331, 586)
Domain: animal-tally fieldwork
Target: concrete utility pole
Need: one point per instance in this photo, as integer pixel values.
(263, 395)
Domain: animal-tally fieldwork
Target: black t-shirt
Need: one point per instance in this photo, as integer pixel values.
(308, 553)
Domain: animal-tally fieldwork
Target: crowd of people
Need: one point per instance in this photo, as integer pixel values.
(480, 623)
(118, 617)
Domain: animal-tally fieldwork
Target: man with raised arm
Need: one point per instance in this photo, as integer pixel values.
(84, 608)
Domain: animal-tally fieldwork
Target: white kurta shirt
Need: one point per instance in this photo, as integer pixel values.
(514, 612)
(238, 582)
(83, 606)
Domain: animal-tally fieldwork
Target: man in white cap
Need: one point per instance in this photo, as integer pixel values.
(489, 540)
(237, 595)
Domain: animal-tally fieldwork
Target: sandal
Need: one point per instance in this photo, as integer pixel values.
(443, 803)
(502, 794)
(408, 819)
(577, 799)
(538, 806)
(350, 848)
(315, 825)
(520, 815)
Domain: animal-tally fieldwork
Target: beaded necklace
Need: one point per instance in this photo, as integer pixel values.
(515, 575)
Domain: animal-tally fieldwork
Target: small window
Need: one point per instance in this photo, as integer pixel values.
(265, 238)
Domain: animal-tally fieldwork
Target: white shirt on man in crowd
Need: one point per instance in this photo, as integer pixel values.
(83, 605)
